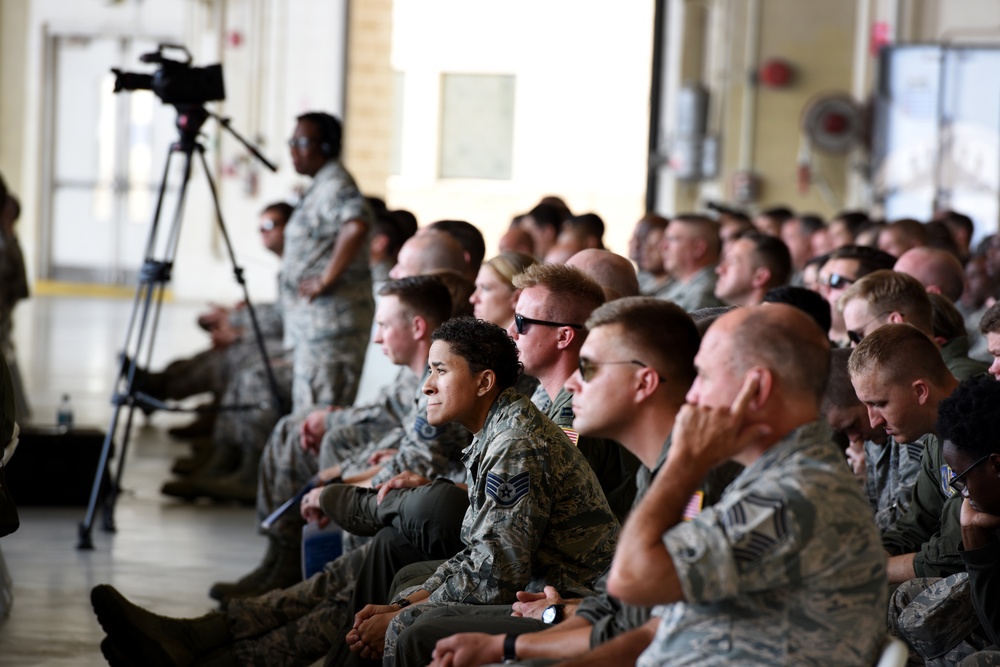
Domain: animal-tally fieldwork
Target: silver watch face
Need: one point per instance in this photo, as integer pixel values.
(549, 614)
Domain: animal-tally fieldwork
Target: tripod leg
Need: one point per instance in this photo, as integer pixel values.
(153, 274)
(278, 402)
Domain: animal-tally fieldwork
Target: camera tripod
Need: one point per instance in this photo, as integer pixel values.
(146, 308)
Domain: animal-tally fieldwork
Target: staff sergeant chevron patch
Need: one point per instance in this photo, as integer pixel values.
(506, 492)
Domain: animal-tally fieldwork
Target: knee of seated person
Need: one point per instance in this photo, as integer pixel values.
(440, 501)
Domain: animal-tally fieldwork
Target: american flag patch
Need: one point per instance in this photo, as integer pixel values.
(571, 434)
(694, 505)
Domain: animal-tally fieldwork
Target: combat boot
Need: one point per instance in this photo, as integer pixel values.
(200, 427)
(224, 459)
(239, 486)
(201, 455)
(145, 638)
(253, 580)
(284, 572)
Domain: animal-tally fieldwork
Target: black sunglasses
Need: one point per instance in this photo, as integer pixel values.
(857, 336)
(837, 281)
(521, 320)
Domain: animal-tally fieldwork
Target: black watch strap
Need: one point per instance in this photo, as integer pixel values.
(403, 602)
(510, 648)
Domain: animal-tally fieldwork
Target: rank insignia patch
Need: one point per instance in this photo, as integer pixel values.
(946, 474)
(507, 492)
(755, 525)
(425, 430)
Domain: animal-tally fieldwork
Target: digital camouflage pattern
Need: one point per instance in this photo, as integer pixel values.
(296, 625)
(429, 451)
(285, 467)
(696, 293)
(537, 517)
(891, 473)
(249, 412)
(786, 568)
(930, 528)
(953, 620)
(329, 334)
(614, 465)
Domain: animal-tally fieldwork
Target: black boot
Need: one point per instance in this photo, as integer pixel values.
(284, 572)
(148, 639)
(252, 581)
(239, 486)
(224, 459)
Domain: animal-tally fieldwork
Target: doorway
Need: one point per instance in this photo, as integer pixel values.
(103, 162)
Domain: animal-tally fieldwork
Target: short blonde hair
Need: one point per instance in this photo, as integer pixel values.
(901, 353)
(573, 295)
(888, 291)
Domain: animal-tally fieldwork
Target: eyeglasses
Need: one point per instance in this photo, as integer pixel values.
(300, 143)
(588, 367)
(267, 225)
(521, 320)
(836, 281)
(957, 482)
(857, 336)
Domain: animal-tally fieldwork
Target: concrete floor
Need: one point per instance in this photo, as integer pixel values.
(165, 554)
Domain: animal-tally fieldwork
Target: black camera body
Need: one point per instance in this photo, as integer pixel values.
(176, 82)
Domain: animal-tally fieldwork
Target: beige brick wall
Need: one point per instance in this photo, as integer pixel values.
(368, 114)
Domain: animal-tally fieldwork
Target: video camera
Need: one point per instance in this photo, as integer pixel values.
(176, 82)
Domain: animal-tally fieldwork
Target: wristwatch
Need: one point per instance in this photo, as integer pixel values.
(510, 648)
(402, 602)
(553, 614)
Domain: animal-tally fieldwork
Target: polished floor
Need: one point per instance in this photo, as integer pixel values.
(165, 554)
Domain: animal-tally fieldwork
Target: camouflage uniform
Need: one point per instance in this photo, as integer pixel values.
(328, 335)
(294, 626)
(786, 568)
(13, 286)
(614, 466)
(285, 467)
(297, 625)
(954, 619)
(608, 616)
(892, 471)
(650, 285)
(537, 517)
(423, 449)
(695, 293)
(956, 357)
(249, 413)
(930, 528)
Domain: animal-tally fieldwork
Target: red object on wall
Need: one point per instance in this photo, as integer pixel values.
(881, 35)
(776, 73)
(234, 38)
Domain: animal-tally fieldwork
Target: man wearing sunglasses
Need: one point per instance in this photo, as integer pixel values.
(846, 266)
(634, 370)
(890, 296)
(902, 380)
(957, 619)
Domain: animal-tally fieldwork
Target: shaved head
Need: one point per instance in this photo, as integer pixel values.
(938, 270)
(429, 251)
(785, 340)
(611, 271)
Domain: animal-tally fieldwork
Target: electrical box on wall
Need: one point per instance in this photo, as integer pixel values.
(693, 154)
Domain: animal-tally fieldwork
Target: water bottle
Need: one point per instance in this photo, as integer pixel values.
(64, 415)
